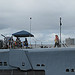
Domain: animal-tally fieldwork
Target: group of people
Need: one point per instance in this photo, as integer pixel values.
(16, 44)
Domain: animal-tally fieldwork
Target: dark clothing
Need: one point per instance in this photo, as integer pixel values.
(56, 44)
(26, 43)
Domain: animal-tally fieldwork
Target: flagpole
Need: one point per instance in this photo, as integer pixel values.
(60, 31)
(30, 30)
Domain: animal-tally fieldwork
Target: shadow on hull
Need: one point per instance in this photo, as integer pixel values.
(19, 72)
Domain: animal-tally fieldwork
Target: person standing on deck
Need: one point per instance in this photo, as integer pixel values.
(56, 41)
(26, 43)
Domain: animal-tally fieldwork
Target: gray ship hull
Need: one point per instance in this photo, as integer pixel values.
(45, 61)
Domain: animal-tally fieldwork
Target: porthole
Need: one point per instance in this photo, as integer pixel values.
(38, 65)
(23, 64)
(42, 64)
(67, 70)
(72, 70)
(5, 63)
(0, 63)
